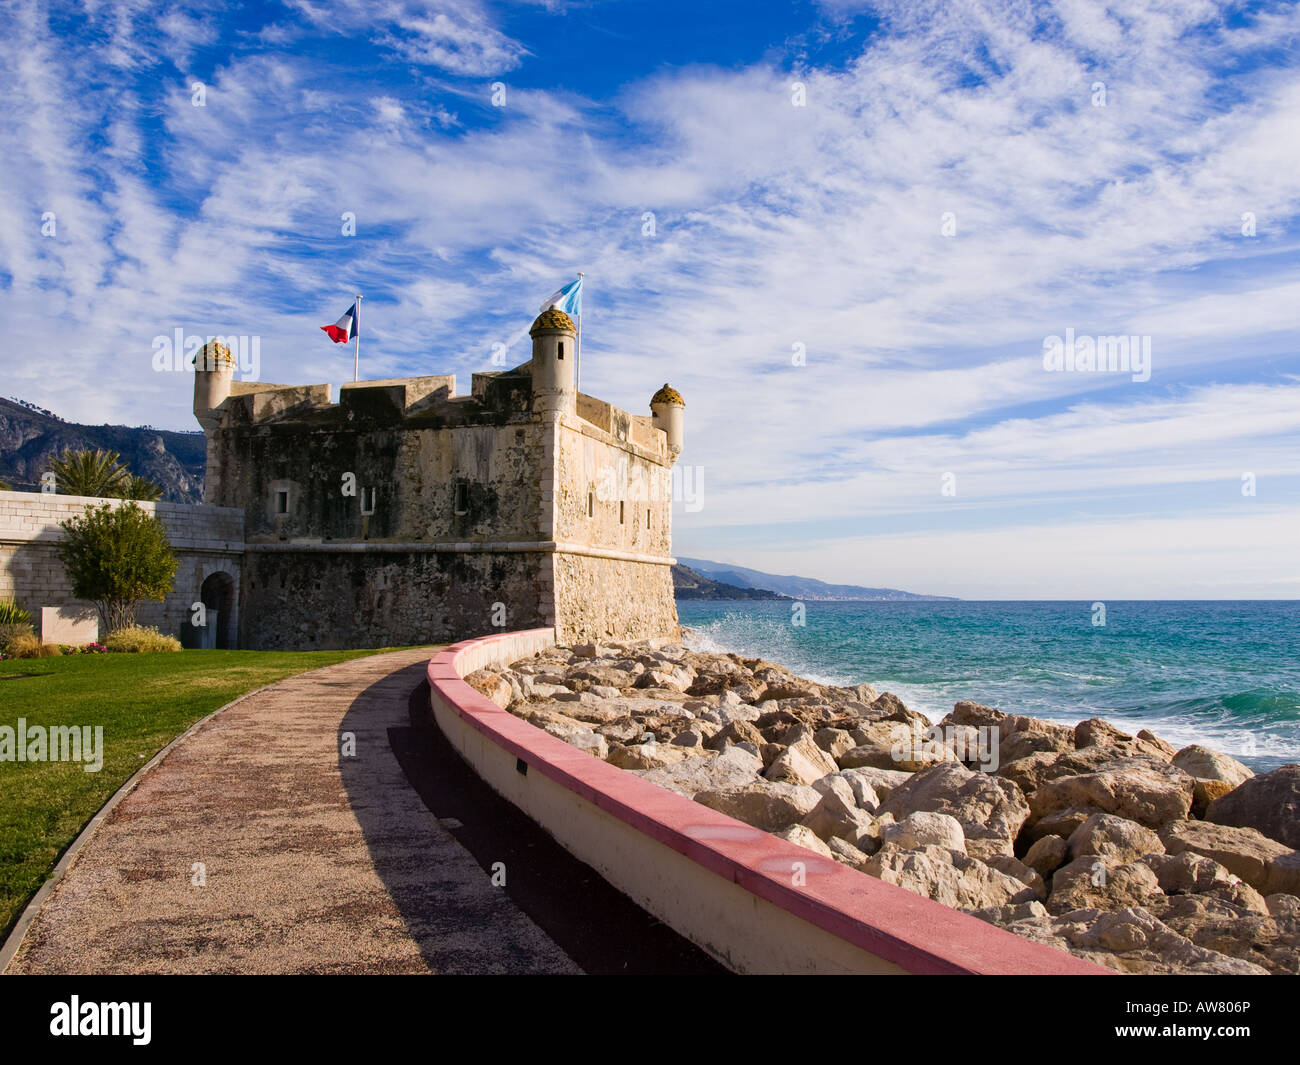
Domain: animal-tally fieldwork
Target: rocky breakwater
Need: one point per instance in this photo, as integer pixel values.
(1115, 848)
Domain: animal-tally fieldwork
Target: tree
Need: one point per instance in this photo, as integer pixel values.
(89, 473)
(140, 488)
(115, 557)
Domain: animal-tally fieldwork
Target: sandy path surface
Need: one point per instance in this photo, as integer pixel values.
(313, 863)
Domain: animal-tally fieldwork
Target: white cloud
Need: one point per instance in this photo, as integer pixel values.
(775, 225)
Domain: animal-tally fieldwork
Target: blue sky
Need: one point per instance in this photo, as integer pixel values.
(914, 194)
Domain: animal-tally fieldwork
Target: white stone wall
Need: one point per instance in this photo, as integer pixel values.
(206, 539)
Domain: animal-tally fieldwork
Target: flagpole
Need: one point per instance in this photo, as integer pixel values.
(577, 353)
(356, 329)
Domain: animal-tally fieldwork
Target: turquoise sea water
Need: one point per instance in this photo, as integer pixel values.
(1224, 674)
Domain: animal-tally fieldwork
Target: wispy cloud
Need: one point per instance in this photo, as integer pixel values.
(966, 181)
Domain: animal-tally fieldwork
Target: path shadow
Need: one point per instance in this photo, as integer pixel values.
(445, 898)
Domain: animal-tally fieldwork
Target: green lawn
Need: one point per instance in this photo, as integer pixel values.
(143, 701)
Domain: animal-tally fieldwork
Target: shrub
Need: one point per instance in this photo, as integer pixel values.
(115, 557)
(12, 614)
(14, 631)
(29, 646)
(140, 640)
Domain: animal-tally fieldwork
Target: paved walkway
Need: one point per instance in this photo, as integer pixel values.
(314, 863)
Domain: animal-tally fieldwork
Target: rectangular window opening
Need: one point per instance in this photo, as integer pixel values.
(282, 502)
(620, 512)
(561, 349)
(462, 498)
(591, 504)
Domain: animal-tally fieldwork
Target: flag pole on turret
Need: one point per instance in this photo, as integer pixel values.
(356, 357)
(577, 353)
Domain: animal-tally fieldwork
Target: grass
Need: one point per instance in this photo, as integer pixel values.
(143, 702)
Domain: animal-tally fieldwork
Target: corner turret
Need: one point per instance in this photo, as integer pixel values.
(554, 349)
(666, 407)
(214, 368)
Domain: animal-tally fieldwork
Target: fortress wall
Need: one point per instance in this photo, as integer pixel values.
(307, 597)
(612, 598)
(206, 540)
(589, 462)
(413, 473)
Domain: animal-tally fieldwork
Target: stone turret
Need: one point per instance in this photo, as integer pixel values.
(554, 351)
(214, 368)
(666, 407)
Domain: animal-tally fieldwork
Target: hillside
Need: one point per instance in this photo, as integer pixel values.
(687, 584)
(797, 587)
(30, 437)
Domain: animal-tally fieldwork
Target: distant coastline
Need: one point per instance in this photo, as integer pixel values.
(742, 580)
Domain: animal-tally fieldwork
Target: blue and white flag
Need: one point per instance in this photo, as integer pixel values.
(568, 299)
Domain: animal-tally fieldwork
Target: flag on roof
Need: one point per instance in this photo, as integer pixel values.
(346, 327)
(567, 299)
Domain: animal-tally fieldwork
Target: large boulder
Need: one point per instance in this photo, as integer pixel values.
(947, 876)
(890, 744)
(492, 686)
(1114, 838)
(801, 762)
(838, 813)
(608, 676)
(1091, 882)
(1191, 874)
(1137, 789)
(1215, 774)
(735, 732)
(646, 755)
(873, 786)
(575, 733)
(990, 810)
(1269, 803)
(692, 775)
(918, 830)
(1261, 862)
(1135, 941)
(1021, 736)
(1269, 941)
(1098, 733)
(675, 679)
(1032, 771)
(762, 803)
(834, 741)
(974, 714)
(1047, 855)
(802, 836)
(1014, 867)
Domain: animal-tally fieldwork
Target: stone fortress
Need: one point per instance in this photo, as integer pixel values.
(407, 514)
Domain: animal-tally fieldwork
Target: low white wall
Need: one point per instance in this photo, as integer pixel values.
(724, 885)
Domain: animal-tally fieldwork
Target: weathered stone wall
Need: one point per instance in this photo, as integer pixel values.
(320, 599)
(413, 465)
(206, 540)
(607, 598)
(611, 493)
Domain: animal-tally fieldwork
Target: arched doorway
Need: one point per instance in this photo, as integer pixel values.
(218, 596)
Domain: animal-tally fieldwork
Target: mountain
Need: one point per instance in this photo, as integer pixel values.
(30, 436)
(687, 584)
(796, 587)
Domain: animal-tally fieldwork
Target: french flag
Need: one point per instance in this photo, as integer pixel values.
(346, 327)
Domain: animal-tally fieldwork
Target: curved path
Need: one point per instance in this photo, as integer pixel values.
(320, 861)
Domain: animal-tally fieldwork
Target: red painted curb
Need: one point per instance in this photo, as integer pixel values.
(889, 922)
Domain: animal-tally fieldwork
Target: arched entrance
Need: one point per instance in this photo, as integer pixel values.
(218, 596)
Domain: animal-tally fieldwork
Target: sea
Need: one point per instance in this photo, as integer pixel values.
(1222, 674)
